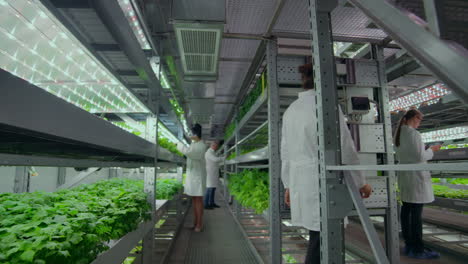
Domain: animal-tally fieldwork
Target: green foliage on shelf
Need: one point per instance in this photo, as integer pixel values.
(229, 130)
(242, 152)
(177, 108)
(459, 181)
(172, 147)
(447, 192)
(455, 146)
(251, 189)
(247, 104)
(69, 226)
(167, 188)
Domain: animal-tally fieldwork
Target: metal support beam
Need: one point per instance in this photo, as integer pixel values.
(433, 10)
(22, 178)
(332, 231)
(61, 176)
(391, 215)
(225, 177)
(274, 153)
(99, 47)
(367, 225)
(150, 177)
(71, 3)
(448, 62)
(237, 206)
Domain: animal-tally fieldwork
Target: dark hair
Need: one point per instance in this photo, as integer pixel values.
(403, 121)
(307, 74)
(197, 130)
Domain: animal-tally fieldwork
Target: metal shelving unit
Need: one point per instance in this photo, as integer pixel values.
(48, 131)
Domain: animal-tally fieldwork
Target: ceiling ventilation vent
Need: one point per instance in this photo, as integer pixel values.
(199, 49)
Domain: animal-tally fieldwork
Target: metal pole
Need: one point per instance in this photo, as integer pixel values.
(274, 158)
(237, 206)
(391, 216)
(61, 176)
(150, 185)
(331, 233)
(21, 180)
(225, 177)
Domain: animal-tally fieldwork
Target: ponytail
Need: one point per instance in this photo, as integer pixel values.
(407, 116)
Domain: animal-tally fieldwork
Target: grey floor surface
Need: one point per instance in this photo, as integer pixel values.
(221, 241)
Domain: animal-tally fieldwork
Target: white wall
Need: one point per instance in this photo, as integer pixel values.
(7, 179)
(46, 180)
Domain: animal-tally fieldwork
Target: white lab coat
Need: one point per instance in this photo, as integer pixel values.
(195, 181)
(415, 186)
(212, 168)
(299, 155)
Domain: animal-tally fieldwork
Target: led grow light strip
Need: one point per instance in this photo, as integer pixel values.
(445, 134)
(55, 48)
(428, 94)
(131, 15)
(164, 81)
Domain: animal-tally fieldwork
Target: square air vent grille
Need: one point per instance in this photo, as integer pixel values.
(199, 47)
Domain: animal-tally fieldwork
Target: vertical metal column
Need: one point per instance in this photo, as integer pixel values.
(225, 176)
(274, 155)
(150, 188)
(237, 206)
(331, 233)
(391, 216)
(21, 180)
(61, 176)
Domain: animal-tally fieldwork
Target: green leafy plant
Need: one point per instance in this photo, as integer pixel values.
(251, 189)
(247, 104)
(172, 147)
(167, 188)
(447, 192)
(69, 226)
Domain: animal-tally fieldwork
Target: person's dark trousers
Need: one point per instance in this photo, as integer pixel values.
(313, 250)
(411, 226)
(209, 197)
(212, 197)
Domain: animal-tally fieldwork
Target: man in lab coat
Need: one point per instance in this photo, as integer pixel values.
(299, 155)
(212, 170)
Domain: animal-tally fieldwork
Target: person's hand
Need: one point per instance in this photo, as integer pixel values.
(286, 197)
(365, 191)
(436, 147)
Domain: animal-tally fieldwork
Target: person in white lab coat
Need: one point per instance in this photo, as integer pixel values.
(212, 174)
(415, 186)
(299, 156)
(195, 181)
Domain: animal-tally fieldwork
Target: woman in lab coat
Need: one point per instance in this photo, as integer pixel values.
(299, 157)
(415, 186)
(195, 181)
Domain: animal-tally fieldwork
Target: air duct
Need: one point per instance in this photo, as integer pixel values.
(198, 35)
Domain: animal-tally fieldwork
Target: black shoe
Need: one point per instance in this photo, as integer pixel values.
(216, 206)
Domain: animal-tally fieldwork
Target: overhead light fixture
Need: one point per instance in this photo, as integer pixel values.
(36, 47)
(445, 134)
(428, 95)
(131, 12)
